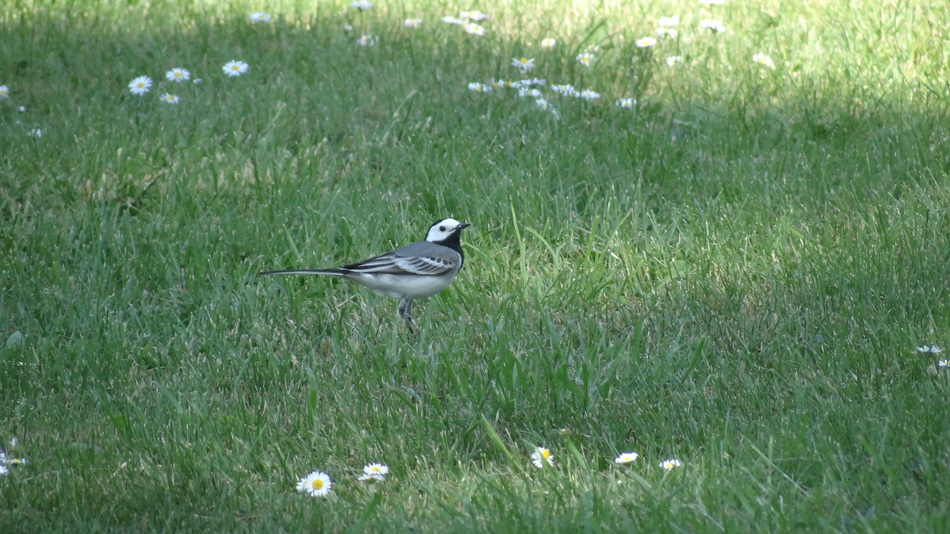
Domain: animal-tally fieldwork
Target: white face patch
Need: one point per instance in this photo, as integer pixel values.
(442, 230)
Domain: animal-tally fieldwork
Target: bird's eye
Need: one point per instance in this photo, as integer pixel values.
(441, 228)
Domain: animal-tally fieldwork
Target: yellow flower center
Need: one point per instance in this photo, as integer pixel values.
(545, 454)
(317, 484)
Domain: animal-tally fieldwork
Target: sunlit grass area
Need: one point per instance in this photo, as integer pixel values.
(723, 246)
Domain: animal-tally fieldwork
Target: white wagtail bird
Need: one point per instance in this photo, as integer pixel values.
(415, 271)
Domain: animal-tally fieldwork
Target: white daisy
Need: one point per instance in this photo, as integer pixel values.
(412, 23)
(362, 5)
(523, 63)
(259, 16)
(929, 349)
(526, 91)
(5, 460)
(177, 75)
(645, 42)
(140, 85)
(626, 103)
(713, 25)
(171, 99)
(452, 20)
(479, 87)
(670, 464)
(626, 457)
(673, 60)
(316, 484)
(589, 95)
(235, 68)
(541, 103)
(376, 469)
(540, 456)
(764, 60)
(528, 83)
(548, 43)
(943, 363)
(4, 91)
(367, 40)
(3, 470)
(663, 31)
(586, 59)
(565, 90)
(35, 132)
(474, 29)
(473, 15)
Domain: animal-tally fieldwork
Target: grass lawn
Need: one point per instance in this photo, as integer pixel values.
(739, 264)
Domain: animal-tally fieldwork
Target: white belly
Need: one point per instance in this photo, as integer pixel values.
(403, 286)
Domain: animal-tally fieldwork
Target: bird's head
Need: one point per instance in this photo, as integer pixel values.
(445, 229)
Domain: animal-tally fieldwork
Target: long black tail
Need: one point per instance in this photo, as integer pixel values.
(331, 272)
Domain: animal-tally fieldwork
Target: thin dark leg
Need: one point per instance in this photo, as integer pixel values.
(405, 311)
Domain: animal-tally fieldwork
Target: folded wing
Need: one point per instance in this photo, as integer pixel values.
(425, 260)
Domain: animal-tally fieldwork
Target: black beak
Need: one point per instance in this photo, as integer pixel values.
(462, 225)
